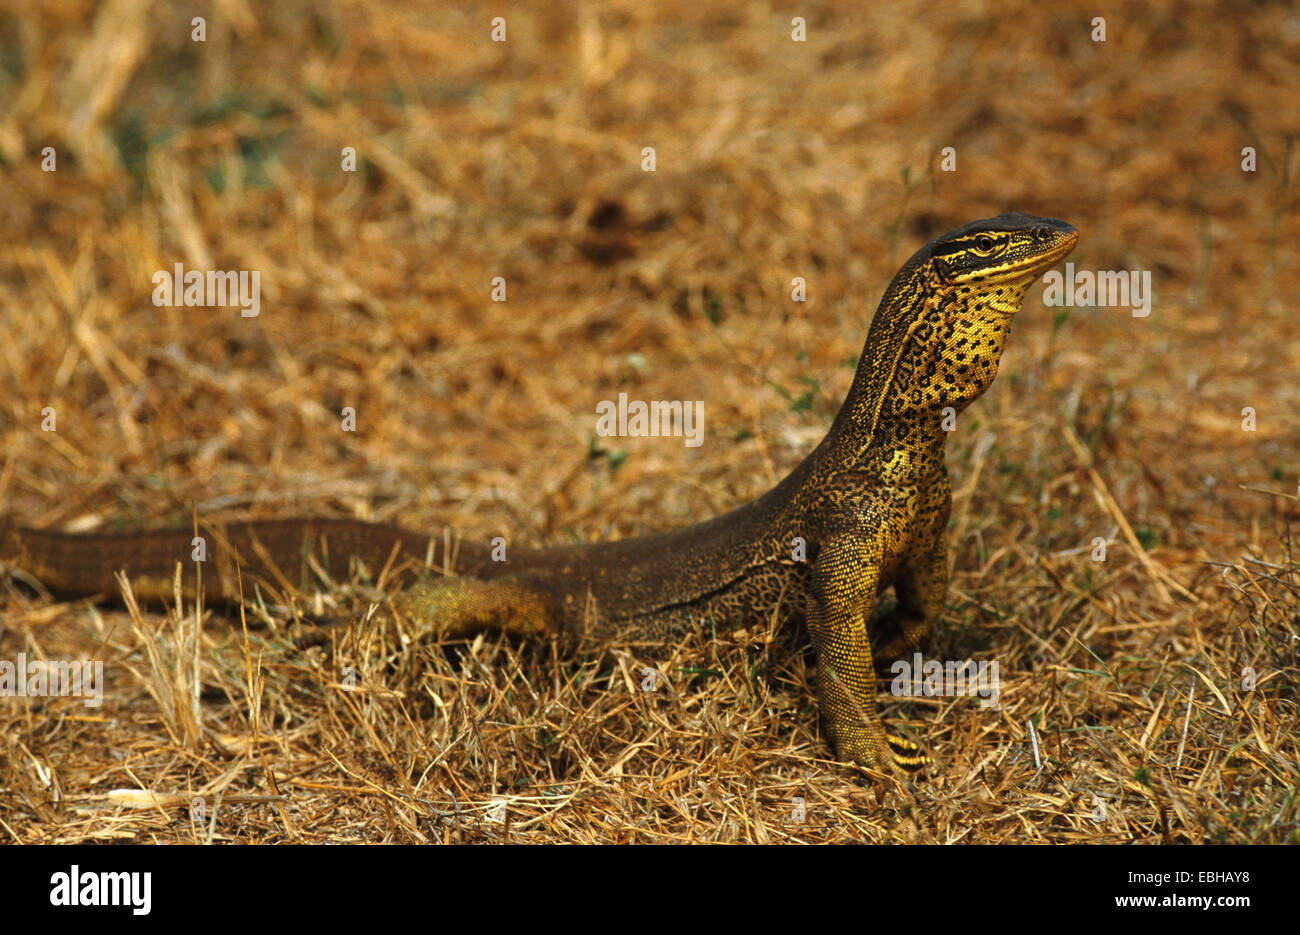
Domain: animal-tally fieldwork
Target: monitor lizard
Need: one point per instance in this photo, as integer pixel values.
(868, 508)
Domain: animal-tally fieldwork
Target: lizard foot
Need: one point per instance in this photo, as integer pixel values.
(885, 753)
(907, 755)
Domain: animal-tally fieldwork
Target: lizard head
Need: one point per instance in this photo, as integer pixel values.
(938, 334)
(974, 280)
(995, 260)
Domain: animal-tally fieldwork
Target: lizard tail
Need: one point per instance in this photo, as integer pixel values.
(281, 554)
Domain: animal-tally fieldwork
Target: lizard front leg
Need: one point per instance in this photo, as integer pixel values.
(921, 588)
(921, 583)
(840, 599)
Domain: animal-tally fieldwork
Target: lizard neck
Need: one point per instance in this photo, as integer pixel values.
(933, 348)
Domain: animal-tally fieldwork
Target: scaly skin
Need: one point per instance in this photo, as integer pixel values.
(870, 505)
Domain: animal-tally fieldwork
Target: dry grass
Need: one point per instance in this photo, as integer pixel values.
(522, 160)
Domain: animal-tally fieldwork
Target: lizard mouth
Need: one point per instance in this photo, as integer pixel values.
(1063, 249)
(1051, 253)
(1036, 266)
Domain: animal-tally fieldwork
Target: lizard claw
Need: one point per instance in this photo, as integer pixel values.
(906, 755)
(886, 753)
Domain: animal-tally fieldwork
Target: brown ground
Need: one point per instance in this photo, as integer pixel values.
(775, 159)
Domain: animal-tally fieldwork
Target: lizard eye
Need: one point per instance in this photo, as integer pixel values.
(984, 243)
